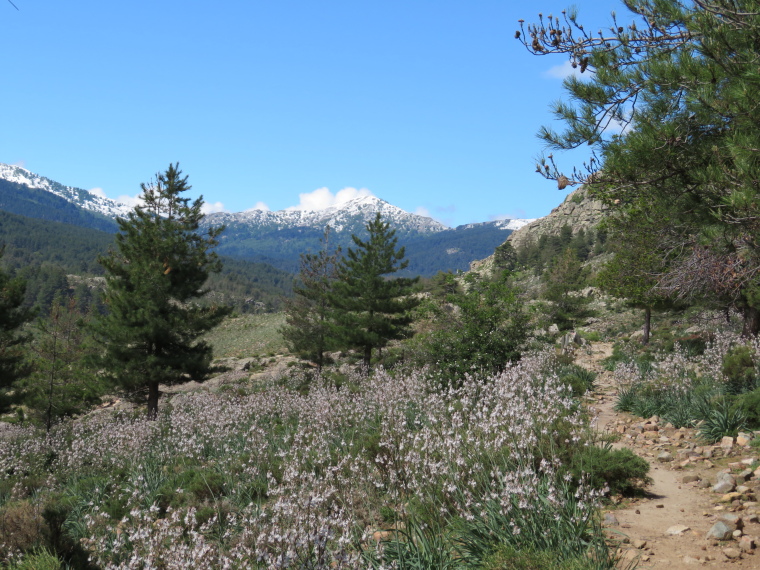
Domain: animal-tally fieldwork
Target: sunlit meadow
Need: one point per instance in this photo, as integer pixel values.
(387, 471)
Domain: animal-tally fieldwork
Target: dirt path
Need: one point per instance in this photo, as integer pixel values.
(668, 528)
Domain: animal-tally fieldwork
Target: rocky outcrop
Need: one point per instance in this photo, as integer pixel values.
(577, 211)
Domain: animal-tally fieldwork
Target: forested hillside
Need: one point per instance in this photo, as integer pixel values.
(44, 252)
(19, 199)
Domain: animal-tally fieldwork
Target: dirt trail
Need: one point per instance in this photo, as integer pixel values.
(645, 525)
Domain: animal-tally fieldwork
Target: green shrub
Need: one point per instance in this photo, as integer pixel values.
(580, 379)
(40, 559)
(620, 469)
(723, 421)
(749, 405)
(739, 370)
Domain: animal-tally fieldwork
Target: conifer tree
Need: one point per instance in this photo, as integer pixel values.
(12, 316)
(309, 327)
(154, 278)
(60, 383)
(678, 79)
(371, 307)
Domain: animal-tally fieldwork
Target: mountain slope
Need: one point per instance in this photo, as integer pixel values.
(277, 238)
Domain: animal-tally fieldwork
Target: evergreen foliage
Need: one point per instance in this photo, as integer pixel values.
(636, 263)
(562, 283)
(370, 307)
(679, 79)
(154, 279)
(12, 316)
(60, 383)
(309, 329)
(477, 329)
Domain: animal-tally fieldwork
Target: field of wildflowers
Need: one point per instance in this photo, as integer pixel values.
(387, 471)
(715, 387)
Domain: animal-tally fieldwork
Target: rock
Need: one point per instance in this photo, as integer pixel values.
(745, 475)
(691, 478)
(727, 477)
(664, 457)
(704, 484)
(720, 531)
(746, 543)
(733, 520)
(610, 520)
(732, 553)
(723, 487)
(381, 535)
(639, 544)
(743, 439)
(691, 560)
(553, 329)
(730, 497)
(727, 443)
(677, 530)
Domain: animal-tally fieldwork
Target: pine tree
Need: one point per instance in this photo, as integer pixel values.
(60, 383)
(309, 327)
(371, 308)
(12, 316)
(154, 278)
(679, 81)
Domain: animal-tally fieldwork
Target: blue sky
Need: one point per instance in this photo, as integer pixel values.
(430, 105)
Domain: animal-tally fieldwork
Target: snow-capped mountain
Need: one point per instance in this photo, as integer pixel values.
(348, 217)
(277, 237)
(77, 196)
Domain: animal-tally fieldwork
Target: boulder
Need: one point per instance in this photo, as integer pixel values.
(720, 531)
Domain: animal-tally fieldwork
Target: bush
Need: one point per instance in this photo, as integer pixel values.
(739, 370)
(38, 560)
(476, 332)
(723, 421)
(620, 469)
(749, 405)
(578, 378)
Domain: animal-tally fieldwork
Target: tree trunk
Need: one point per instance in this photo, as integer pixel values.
(647, 325)
(152, 400)
(367, 357)
(751, 322)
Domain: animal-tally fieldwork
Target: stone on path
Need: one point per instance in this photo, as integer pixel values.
(720, 531)
(677, 530)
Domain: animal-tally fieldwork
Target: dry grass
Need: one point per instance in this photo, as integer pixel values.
(248, 335)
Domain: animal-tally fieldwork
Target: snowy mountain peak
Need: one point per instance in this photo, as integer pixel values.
(347, 216)
(81, 198)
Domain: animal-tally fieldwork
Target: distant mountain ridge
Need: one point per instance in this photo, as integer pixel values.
(82, 198)
(275, 237)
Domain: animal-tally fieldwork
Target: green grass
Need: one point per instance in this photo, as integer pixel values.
(248, 335)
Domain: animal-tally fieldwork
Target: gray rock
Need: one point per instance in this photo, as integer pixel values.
(691, 478)
(720, 531)
(665, 457)
(610, 520)
(723, 487)
(733, 520)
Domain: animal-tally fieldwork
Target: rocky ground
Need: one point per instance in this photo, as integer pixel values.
(701, 508)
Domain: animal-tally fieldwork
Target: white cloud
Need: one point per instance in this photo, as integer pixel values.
(322, 198)
(97, 192)
(19, 163)
(131, 201)
(562, 71)
(209, 208)
(259, 206)
(422, 211)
